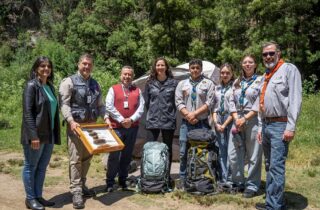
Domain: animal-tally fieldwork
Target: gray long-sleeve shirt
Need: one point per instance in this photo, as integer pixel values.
(251, 99)
(218, 97)
(283, 96)
(204, 95)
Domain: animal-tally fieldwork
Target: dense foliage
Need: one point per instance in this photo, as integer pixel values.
(134, 32)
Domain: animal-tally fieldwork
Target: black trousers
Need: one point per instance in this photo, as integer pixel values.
(119, 161)
(167, 138)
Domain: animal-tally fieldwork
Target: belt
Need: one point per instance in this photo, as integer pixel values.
(276, 119)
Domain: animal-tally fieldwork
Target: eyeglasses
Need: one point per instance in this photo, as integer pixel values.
(272, 53)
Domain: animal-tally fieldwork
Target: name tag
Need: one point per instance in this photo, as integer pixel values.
(89, 99)
(126, 104)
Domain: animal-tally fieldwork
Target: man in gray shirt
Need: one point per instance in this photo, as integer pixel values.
(280, 104)
(194, 99)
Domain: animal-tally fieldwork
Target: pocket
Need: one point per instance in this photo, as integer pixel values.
(279, 85)
(169, 92)
(203, 91)
(154, 92)
(281, 91)
(186, 91)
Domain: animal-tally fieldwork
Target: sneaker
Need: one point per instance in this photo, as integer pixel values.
(88, 192)
(261, 206)
(249, 193)
(77, 201)
(109, 189)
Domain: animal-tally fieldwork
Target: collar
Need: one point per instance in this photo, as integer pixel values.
(78, 73)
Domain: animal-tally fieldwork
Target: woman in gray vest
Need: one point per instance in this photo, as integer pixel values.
(243, 147)
(40, 131)
(222, 118)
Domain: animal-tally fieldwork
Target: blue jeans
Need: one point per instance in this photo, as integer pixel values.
(34, 170)
(183, 143)
(275, 152)
(222, 140)
(119, 161)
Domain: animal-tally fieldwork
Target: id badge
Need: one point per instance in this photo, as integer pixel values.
(126, 105)
(88, 99)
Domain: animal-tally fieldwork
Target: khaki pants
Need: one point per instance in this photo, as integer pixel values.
(79, 162)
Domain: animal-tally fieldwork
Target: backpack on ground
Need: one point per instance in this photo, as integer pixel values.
(154, 168)
(202, 166)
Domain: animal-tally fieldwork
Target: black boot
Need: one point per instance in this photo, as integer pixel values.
(34, 204)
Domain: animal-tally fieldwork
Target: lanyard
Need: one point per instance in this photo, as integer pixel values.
(125, 94)
(244, 86)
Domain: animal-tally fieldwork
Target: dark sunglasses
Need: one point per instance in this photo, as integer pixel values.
(272, 53)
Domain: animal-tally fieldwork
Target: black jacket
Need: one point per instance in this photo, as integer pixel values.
(36, 120)
(160, 103)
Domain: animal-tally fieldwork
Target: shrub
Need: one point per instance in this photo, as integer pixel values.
(309, 86)
(6, 54)
(63, 60)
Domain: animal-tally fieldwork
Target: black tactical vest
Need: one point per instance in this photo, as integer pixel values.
(84, 99)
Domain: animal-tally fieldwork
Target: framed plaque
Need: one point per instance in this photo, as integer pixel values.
(98, 138)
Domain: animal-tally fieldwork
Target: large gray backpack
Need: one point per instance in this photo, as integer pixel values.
(154, 168)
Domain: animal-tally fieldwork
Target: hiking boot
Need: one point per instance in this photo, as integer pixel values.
(249, 193)
(77, 201)
(88, 192)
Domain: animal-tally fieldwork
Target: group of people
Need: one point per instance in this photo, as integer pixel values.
(251, 115)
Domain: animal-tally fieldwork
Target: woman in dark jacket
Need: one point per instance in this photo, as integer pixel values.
(40, 130)
(160, 103)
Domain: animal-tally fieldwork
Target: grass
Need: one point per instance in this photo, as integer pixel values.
(11, 166)
(302, 174)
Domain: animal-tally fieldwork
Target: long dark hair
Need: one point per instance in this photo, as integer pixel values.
(35, 66)
(153, 72)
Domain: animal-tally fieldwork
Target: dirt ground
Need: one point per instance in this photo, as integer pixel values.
(12, 194)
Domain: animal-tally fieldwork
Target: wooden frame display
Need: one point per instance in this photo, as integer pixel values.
(98, 138)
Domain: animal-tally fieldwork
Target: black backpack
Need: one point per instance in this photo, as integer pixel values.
(154, 168)
(202, 162)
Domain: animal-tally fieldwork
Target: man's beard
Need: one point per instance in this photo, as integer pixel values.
(272, 64)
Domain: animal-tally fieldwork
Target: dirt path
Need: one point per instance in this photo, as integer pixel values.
(12, 193)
